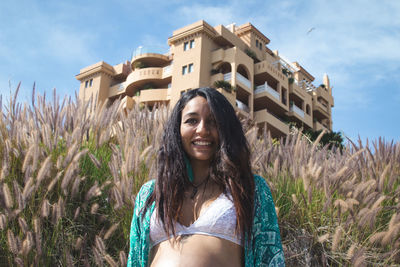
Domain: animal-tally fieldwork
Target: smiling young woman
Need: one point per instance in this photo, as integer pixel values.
(205, 207)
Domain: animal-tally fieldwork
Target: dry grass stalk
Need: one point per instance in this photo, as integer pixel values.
(7, 196)
(12, 242)
(122, 258)
(110, 260)
(3, 222)
(111, 231)
(336, 238)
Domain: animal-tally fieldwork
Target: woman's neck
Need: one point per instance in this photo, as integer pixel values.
(200, 171)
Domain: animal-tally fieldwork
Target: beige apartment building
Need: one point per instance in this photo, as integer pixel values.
(259, 83)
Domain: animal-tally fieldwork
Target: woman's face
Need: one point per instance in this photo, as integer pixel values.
(199, 130)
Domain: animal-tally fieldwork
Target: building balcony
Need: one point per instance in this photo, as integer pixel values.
(275, 125)
(321, 92)
(320, 108)
(246, 82)
(295, 88)
(266, 67)
(242, 107)
(266, 88)
(297, 110)
(319, 126)
(151, 57)
(153, 95)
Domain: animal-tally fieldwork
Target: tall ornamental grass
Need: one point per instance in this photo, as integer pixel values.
(70, 171)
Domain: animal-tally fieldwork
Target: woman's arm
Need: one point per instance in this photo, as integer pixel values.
(138, 251)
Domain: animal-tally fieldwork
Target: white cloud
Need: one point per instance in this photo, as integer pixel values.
(213, 15)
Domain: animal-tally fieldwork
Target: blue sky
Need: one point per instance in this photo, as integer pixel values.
(357, 43)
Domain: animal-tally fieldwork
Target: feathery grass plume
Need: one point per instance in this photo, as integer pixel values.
(341, 204)
(378, 202)
(98, 259)
(77, 212)
(110, 231)
(71, 171)
(7, 196)
(391, 235)
(23, 225)
(54, 182)
(78, 243)
(38, 235)
(118, 198)
(110, 260)
(18, 195)
(3, 221)
(28, 189)
(45, 209)
(75, 186)
(43, 171)
(323, 238)
(377, 238)
(95, 161)
(336, 238)
(100, 245)
(382, 177)
(122, 258)
(28, 157)
(19, 261)
(350, 251)
(26, 246)
(359, 258)
(68, 257)
(12, 242)
(94, 208)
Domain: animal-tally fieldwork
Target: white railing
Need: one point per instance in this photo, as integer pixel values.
(228, 76)
(167, 70)
(297, 110)
(266, 88)
(119, 87)
(243, 80)
(242, 106)
(150, 49)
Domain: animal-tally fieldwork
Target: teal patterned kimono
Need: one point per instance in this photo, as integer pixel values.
(264, 248)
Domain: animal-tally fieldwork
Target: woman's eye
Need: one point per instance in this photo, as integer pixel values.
(191, 121)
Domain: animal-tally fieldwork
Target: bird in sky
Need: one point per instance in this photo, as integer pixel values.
(310, 30)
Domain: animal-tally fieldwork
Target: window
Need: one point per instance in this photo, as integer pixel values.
(184, 70)
(256, 43)
(86, 84)
(187, 69)
(188, 45)
(91, 82)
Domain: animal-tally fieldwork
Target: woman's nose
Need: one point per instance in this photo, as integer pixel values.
(202, 127)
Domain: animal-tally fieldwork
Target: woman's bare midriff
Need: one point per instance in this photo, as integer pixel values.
(196, 251)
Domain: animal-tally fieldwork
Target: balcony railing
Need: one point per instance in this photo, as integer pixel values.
(228, 76)
(266, 88)
(150, 49)
(297, 110)
(243, 80)
(167, 70)
(242, 106)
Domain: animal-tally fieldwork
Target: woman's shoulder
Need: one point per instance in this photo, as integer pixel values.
(146, 189)
(261, 187)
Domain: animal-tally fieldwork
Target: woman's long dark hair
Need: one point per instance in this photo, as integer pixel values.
(230, 168)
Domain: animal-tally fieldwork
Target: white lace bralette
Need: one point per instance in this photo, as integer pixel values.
(219, 220)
